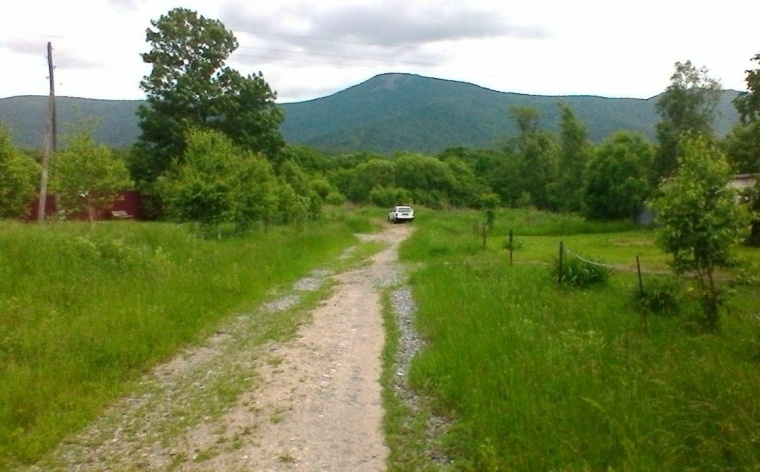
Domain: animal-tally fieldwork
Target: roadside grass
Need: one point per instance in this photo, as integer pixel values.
(86, 309)
(541, 377)
(405, 425)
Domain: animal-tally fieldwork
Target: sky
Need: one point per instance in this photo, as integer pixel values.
(308, 49)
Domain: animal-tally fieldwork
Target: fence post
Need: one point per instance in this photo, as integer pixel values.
(485, 234)
(561, 260)
(641, 283)
(510, 247)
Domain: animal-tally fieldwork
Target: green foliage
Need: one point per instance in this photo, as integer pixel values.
(489, 203)
(372, 117)
(535, 378)
(743, 148)
(389, 197)
(85, 310)
(335, 198)
(687, 106)
(662, 295)
(86, 176)
(429, 180)
(18, 176)
(368, 175)
(701, 220)
(190, 87)
(538, 158)
(579, 272)
(575, 151)
(753, 200)
(203, 188)
(748, 103)
(617, 178)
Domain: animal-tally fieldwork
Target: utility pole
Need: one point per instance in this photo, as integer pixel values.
(50, 138)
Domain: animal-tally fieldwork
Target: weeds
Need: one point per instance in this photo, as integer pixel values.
(86, 309)
(543, 379)
(580, 273)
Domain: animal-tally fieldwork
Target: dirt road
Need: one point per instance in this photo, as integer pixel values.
(313, 403)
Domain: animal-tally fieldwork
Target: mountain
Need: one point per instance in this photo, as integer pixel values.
(387, 113)
(26, 118)
(402, 111)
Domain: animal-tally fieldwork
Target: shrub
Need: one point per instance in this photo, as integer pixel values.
(661, 295)
(577, 272)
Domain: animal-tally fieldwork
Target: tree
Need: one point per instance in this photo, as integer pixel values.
(18, 176)
(748, 103)
(687, 106)
(538, 154)
(575, 151)
(86, 176)
(744, 143)
(427, 179)
(368, 175)
(701, 221)
(617, 178)
(190, 86)
(204, 187)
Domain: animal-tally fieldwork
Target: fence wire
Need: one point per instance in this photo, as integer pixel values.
(599, 264)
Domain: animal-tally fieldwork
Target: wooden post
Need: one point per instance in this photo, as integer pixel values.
(485, 234)
(50, 139)
(561, 260)
(641, 283)
(511, 246)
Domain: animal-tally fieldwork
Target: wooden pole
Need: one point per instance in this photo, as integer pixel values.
(561, 258)
(50, 138)
(641, 283)
(511, 246)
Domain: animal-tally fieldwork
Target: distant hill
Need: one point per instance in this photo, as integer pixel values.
(387, 113)
(26, 118)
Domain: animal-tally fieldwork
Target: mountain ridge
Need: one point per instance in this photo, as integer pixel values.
(386, 113)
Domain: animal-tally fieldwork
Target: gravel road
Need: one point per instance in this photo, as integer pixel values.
(313, 403)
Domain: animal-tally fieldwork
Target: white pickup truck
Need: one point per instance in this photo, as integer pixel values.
(400, 214)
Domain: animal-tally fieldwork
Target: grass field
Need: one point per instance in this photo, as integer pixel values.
(86, 309)
(536, 376)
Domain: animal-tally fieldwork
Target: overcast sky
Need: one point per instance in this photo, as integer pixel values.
(308, 49)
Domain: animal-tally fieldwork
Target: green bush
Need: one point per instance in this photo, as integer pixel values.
(388, 196)
(661, 295)
(577, 272)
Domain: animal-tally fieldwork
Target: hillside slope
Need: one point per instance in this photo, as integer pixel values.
(387, 113)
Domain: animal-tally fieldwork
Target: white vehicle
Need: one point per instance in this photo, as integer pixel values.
(401, 213)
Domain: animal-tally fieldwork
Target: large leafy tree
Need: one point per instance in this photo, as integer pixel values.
(701, 222)
(744, 142)
(218, 182)
(87, 176)
(18, 174)
(538, 156)
(687, 106)
(575, 151)
(748, 103)
(617, 179)
(428, 180)
(190, 86)
(368, 175)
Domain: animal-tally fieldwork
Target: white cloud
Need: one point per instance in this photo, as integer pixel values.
(307, 49)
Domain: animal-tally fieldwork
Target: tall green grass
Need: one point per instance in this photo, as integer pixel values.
(542, 377)
(85, 309)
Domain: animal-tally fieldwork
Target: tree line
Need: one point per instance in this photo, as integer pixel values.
(210, 150)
